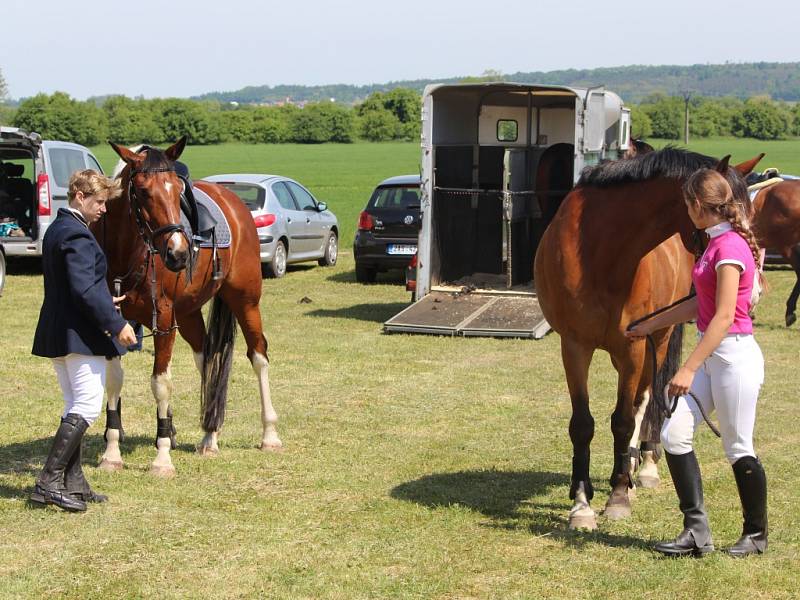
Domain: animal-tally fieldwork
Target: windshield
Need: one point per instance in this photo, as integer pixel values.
(400, 197)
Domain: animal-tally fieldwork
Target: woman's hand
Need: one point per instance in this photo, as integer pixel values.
(127, 337)
(118, 299)
(679, 385)
(638, 331)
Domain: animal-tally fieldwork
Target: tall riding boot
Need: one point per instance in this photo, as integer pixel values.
(695, 539)
(752, 483)
(75, 480)
(50, 488)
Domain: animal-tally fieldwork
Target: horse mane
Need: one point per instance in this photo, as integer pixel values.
(670, 162)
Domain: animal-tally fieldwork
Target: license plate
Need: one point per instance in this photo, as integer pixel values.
(403, 249)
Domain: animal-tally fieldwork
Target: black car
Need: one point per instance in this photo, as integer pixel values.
(388, 227)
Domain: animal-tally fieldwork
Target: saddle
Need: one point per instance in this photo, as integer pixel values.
(201, 222)
(757, 181)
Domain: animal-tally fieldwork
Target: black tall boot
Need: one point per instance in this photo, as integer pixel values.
(752, 483)
(695, 539)
(75, 480)
(50, 488)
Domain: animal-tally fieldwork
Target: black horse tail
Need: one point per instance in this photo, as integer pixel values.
(217, 359)
(655, 412)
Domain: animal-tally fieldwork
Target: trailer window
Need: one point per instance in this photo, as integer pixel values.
(507, 130)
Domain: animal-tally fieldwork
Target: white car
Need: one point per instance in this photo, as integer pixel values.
(292, 225)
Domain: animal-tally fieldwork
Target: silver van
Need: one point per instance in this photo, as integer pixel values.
(34, 175)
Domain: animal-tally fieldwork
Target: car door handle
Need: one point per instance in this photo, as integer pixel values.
(308, 220)
(288, 219)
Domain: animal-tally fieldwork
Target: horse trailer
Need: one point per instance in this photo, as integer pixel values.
(497, 160)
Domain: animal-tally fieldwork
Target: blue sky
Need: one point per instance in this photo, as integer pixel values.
(181, 48)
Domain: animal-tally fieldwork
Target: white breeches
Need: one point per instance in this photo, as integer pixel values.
(728, 383)
(82, 379)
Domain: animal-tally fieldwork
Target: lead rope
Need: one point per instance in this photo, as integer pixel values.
(665, 403)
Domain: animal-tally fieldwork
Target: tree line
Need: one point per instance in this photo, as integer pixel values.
(383, 116)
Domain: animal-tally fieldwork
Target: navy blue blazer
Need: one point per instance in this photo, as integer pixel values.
(78, 314)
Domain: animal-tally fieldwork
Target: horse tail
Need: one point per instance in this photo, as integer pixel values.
(217, 359)
(654, 414)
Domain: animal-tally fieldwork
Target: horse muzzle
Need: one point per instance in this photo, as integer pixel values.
(176, 252)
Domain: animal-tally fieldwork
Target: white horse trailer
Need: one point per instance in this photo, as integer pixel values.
(497, 160)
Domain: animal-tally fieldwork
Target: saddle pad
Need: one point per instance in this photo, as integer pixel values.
(757, 187)
(221, 229)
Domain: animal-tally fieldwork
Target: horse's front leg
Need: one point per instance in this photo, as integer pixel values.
(623, 426)
(112, 459)
(161, 386)
(791, 304)
(576, 359)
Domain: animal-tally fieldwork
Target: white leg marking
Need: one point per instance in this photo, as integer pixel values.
(648, 471)
(269, 418)
(581, 515)
(111, 460)
(638, 418)
(161, 385)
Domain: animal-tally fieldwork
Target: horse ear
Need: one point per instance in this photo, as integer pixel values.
(127, 155)
(174, 151)
(748, 165)
(722, 166)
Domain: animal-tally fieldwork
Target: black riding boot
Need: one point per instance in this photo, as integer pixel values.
(695, 539)
(752, 483)
(50, 488)
(75, 480)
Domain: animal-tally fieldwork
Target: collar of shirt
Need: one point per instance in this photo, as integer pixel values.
(77, 215)
(718, 229)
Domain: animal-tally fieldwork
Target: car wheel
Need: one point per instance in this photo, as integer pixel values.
(277, 268)
(365, 274)
(331, 251)
(2, 271)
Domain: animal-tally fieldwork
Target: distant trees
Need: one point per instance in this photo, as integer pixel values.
(382, 116)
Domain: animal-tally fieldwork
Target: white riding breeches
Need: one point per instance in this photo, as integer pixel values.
(728, 383)
(82, 379)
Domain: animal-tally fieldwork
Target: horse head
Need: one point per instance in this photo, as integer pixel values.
(154, 190)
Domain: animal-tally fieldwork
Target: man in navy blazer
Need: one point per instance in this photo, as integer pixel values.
(79, 327)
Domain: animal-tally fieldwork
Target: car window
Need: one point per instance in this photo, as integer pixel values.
(64, 162)
(283, 195)
(304, 200)
(91, 163)
(252, 195)
(396, 197)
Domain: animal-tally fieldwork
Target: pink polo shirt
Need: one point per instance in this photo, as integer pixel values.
(725, 247)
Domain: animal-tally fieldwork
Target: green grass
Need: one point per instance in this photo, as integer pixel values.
(414, 467)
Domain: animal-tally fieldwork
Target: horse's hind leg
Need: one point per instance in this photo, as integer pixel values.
(161, 386)
(249, 317)
(112, 459)
(791, 304)
(576, 359)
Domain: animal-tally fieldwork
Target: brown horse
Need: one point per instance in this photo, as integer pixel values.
(167, 281)
(617, 250)
(776, 224)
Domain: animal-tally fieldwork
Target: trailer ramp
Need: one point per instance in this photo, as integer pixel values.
(472, 315)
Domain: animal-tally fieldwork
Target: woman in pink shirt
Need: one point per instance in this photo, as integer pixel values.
(725, 371)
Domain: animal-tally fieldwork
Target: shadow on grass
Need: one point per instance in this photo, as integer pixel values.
(392, 277)
(378, 312)
(27, 458)
(503, 496)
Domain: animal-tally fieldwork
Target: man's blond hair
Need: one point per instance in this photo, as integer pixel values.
(92, 183)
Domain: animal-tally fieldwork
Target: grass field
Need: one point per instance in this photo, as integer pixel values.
(414, 467)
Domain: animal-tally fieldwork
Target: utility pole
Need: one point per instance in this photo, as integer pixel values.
(687, 95)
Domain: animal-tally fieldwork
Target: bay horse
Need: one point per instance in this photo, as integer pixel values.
(166, 282)
(618, 249)
(776, 224)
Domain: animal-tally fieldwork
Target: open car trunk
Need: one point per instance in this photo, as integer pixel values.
(18, 202)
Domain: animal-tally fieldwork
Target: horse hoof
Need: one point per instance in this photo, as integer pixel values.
(790, 319)
(208, 452)
(583, 522)
(271, 447)
(648, 482)
(615, 512)
(110, 466)
(162, 471)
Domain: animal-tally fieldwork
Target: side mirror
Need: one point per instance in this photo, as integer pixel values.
(322, 206)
